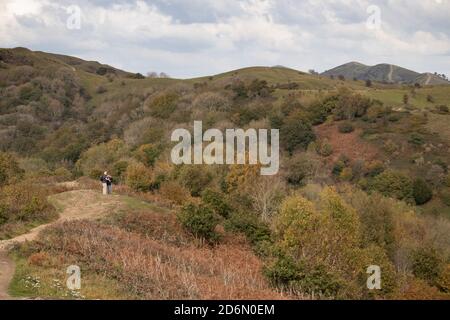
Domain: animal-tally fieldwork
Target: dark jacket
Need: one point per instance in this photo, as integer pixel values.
(106, 179)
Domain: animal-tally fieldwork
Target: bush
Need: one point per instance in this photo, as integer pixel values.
(346, 127)
(346, 174)
(373, 168)
(299, 169)
(62, 174)
(9, 169)
(163, 105)
(212, 101)
(422, 192)
(174, 192)
(416, 139)
(23, 204)
(249, 224)
(393, 184)
(139, 177)
(297, 132)
(427, 264)
(445, 197)
(324, 148)
(200, 221)
(300, 278)
(148, 154)
(194, 178)
(338, 167)
(216, 201)
(95, 174)
(119, 169)
(102, 157)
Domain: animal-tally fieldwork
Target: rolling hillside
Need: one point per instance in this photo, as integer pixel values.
(364, 180)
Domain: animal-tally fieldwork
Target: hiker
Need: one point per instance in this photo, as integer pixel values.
(106, 180)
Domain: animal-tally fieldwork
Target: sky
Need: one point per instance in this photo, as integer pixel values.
(190, 38)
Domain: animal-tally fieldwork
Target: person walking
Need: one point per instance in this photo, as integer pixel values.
(106, 180)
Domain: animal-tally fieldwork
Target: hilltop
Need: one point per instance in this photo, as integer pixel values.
(387, 73)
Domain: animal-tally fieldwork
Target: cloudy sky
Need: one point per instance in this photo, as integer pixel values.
(188, 38)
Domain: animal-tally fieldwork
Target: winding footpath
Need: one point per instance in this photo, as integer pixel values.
(74, 205)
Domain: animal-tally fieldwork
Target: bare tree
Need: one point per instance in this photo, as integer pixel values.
(267, 193)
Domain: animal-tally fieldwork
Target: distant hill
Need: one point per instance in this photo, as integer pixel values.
(38, 59)
(388, 73)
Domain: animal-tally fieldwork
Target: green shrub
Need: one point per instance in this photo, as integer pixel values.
(393, 184)
(346, 127)
(297, 132)
(63, 174)
(163, 105)
(9, 169)
(200, 221)
(119, 169)
(416, 139)
(148, 154)
(194, 178)
(216, 201)
(23, 205)
(422, 192)
(95, 174)
(249, 224)
(324, 148)
(427, 264)
(102, 157)
(297, 276)
(338, 167)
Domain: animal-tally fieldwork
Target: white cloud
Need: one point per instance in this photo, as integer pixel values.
(208, 36)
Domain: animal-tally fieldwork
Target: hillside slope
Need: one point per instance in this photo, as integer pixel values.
(133, 250)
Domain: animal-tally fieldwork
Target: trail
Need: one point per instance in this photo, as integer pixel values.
(73, 205)
(391, 71)
(427, 82)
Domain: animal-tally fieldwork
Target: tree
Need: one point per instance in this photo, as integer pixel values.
(422, 192)
(394, 184)
(139, 177)
(267, 193)
(297, 132)
(147, 154)
(152, 74)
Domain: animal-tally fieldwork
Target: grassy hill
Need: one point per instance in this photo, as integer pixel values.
(386, 73)
(376, 154)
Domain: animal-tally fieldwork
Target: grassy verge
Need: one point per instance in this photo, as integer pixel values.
(44, 276)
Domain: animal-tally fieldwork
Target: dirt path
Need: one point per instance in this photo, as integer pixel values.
(73, 205)
(391, 71)
(427, 82)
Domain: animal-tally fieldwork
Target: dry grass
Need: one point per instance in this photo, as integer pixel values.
(152, 269)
